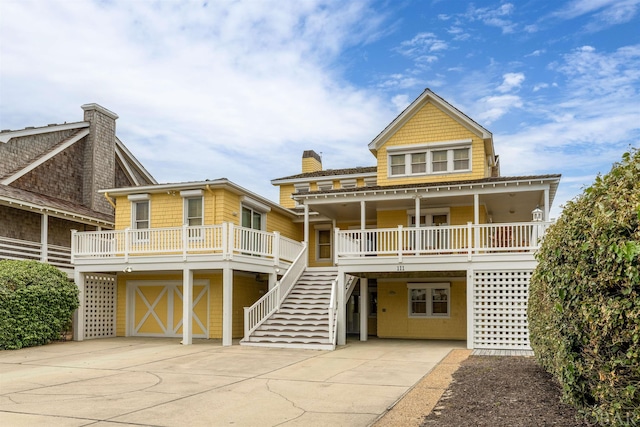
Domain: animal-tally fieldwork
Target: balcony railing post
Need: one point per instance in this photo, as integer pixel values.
(246, 323)
(126, 244)
(470, 240)
(337, 245)
(231, 240)
(74, 245)
(275, 247)
(185, 241)
(400, 244)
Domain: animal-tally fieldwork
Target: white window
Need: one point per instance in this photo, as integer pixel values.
(323, 244)
(397, 164)
(325, 185)
(301, 187)
(193, 212)
(140, 214)
(430, 158)
(251, 218)
(429, 299)
(348, 183)
(439, 161)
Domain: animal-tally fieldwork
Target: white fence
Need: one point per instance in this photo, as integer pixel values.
(224, 239)
(453, 239)
(17, 249)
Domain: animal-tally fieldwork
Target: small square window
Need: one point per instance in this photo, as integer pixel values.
(397, 164)
(419, 163)
(439, 161)
(461, 159)
(429, 299)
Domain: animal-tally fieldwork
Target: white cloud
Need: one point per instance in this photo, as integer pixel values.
(539, 86)
(494, 107)
(511, 81)
(494, 17)
(603, 13)
(421, 43)
(200, 91)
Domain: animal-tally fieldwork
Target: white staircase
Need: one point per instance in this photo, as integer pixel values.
(303, 318)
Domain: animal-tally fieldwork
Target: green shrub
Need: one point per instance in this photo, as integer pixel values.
(584, 307)
(36, 303)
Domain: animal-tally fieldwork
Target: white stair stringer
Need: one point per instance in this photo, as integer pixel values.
(303, 318)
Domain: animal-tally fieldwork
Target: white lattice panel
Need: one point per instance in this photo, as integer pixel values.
(100, 306)
(500, 309)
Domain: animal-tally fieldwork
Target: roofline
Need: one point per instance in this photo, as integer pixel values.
(55, 211)
(553, 180)
(5, 136)
(216, 183)
(408, 112)
(135, 161)
(321, 177)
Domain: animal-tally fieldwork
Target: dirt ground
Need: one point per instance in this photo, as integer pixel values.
(502, 391)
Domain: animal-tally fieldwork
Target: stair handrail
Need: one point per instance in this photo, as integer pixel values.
(270, 302)
(332, 309)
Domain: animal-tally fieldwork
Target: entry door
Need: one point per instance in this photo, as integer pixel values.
(156, 309)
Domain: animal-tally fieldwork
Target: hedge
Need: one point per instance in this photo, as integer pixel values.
(584, 310)
(36, 303)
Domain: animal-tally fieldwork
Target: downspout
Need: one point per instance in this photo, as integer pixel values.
(106, 196)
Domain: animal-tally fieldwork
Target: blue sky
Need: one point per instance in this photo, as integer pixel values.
(238, 89)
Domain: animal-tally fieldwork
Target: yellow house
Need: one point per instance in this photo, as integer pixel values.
(431, 242)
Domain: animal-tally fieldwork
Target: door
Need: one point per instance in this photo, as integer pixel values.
(155, 308)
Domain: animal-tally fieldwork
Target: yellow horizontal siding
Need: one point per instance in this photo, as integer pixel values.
(393, 314)
(430, 124)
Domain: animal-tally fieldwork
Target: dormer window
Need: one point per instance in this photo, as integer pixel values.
(301, 187)
(428, 159)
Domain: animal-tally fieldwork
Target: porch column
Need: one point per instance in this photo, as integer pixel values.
(364, 309)
(273, 278)
(187, 309)
(227, 306)
(470, 319)
(78, 316)
(44, 237)
(363, 215)
(476, 209)
(306, 223)
(546, 204)
(342, 310)
(418, 212)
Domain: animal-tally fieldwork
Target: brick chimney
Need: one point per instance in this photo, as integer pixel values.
(311, 162)
(99, 156)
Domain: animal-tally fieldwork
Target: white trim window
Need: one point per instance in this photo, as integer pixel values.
(430, 159)
(323, 243)
(140, 215)
(429, 299)
(193, 211)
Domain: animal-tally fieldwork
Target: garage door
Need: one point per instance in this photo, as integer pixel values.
(155, 308)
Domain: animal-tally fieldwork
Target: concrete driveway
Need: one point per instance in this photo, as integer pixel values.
(157, 382)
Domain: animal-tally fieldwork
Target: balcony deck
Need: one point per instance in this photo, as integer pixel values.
(205, 243)
(419, 245)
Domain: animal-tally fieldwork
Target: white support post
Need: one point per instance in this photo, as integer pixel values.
(74, 245)
(127, 242)
(364, 309)
(342, 312)
(418, 235)
(476, 220)
(78, 316)
(187, 306)
(185, 241)
(44, 238)
(273, 279)
(227, 306)
(546, 204)
(470, 319)
(306, 224)
(469, 240)
(276, 248)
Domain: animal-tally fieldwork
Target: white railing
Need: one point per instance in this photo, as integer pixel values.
(225, 239)
(59, 256)
(270, 302)
(455, 239)
(333, 319)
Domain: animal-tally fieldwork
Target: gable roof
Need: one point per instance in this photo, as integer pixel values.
(425, 97)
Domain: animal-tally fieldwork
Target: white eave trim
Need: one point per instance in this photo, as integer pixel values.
(6, 136)
(31, 166)
(252, 203)
(324, 178)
